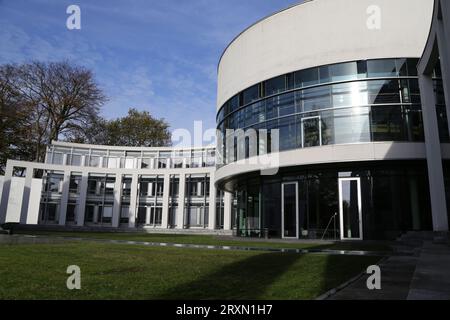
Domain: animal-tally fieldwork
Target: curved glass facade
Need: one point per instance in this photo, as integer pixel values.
(361, 101)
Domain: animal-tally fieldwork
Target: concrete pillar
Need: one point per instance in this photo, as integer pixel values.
(147, 214)
(26, 195)
(81, 202)
(134, 197)
(434, 156)
(64, 198)
(212, 203)
(117, 201)
(5, 192)
(181, 200)
(166, 196)
(227, 208)
(96, 217)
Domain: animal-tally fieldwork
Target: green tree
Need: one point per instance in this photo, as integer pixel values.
(138, 129)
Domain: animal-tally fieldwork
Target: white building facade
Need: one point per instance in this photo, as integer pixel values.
(115, 187)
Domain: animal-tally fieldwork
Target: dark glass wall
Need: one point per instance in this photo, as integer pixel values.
(394, 199)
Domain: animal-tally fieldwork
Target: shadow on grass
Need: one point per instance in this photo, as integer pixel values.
(246, 279)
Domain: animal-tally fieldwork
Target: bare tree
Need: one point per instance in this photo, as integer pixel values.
(62, 98)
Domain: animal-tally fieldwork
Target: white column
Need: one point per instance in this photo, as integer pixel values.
(26, 195)
(81, 202)
(181, 197)
(117, 201)
(166, 195)
(64, 199)
(227, 208)
(212, 203)
(434, 156)
(5, 193)
(133, 201)
(147, 214)
(96, 217)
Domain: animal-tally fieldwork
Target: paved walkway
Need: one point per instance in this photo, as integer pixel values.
(24, 239)
(424, 276)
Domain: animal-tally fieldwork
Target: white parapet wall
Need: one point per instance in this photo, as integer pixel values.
(322, 32)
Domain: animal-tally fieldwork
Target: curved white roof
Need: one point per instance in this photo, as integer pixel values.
(321, 32)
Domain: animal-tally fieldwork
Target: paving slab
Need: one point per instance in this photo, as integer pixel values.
(423, 276)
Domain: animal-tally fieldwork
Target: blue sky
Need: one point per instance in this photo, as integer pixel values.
(159, 56)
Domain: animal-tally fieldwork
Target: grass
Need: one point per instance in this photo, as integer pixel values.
(214, 240)
(108, 271)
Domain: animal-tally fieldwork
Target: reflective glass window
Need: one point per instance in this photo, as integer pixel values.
(351, 125)
(387, 123)
(350, 94)
(251, 94)
(306, 77)
(288, 135)
(381, 68)
(384, 91)
(275, 85)
(315, 98)
(344, 71)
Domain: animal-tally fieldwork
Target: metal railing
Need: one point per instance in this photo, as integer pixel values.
(333, 218)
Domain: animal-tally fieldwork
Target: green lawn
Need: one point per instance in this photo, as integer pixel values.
(116, 271)
(214, 240)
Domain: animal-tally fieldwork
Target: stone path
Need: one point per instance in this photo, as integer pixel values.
(423, 276)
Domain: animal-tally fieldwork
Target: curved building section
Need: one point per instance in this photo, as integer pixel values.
(320, 115)
(93, 186)
(322, 32)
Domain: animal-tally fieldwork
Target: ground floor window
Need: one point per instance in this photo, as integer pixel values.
(374, 201)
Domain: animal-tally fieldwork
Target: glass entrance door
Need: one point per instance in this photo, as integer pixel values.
(311, 132)
(350, 208)
(289, 210)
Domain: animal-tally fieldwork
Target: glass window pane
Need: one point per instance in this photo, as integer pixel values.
(306, 77)
(351, 125)
(234, 103)
(290, 208)
(402, 67)
(286, 104)
(275, 85)
(316, 98)
(251, 94)
(350, 94)
(288, 135)
(344, 71)
(311, 132)
(382, 92)
(362, 69)
(324, 74)
(382, 68)
(387, 123)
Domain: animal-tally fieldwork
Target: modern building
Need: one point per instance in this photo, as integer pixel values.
(116, 187)
(358, 149)
(332, 124)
